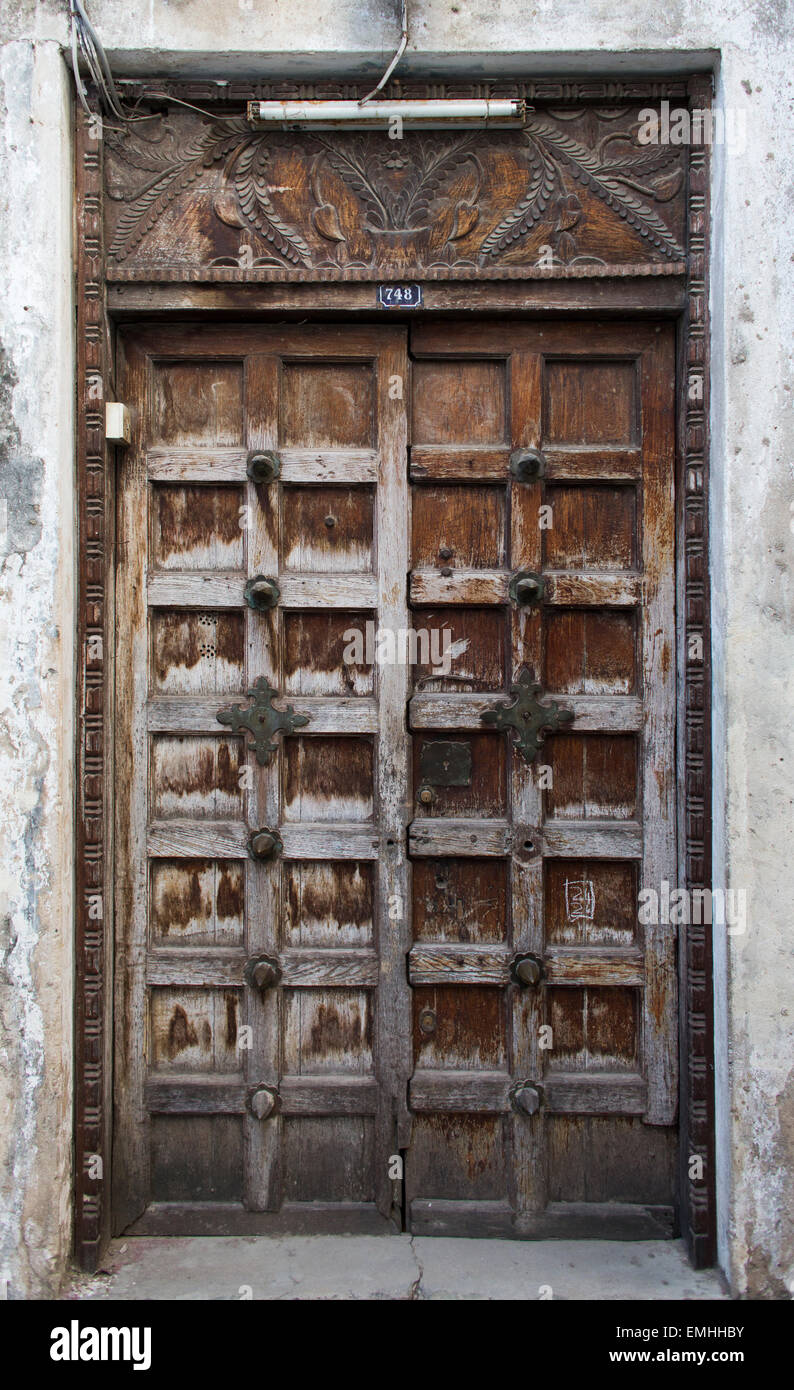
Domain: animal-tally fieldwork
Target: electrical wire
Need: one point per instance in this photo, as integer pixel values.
(85, 40)
(84, 35)
(401, 47)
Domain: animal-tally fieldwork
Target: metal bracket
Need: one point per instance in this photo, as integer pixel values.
(261, 720)
(528, 716)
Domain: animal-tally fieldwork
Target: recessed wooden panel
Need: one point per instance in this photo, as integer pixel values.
(457, 1156)
(327, 1030)
(197, 902)
(328, 904)
(329, 1160)
(590, 403)
(458, 402)
(590, 653)
(487, 793)
(593, 528)
(593, 1029)
(469, 1031)
(197, 653)
(460, 899)
(314, 654)
(610, 1159)
(194, 1030)
(594, 776)
(328, 779)
(197, 403)
(327, 530)
(196, 528)
(590, 902)
(468, 521)
(197, 1158)
(475, 638)
(327, 405)
(196, 776)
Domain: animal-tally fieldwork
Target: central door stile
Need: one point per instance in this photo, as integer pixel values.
(393, 762)
(263, 1141)
(527, 1170)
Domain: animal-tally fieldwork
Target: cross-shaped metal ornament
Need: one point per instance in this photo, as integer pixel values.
(527, 716)
(261, 720)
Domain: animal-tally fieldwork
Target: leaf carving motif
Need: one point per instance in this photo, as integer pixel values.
(616, 182)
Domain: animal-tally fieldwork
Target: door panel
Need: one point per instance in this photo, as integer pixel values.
(564, 1088)
(200, 1046)
(415, 855)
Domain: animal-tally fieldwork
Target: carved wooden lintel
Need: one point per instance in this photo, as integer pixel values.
(579, 190)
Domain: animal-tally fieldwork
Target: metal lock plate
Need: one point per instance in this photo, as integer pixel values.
(445, 764)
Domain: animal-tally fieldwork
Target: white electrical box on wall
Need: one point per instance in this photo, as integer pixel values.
(117, 423)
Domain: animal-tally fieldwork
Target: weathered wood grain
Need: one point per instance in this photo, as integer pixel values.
(328, 1095)
(458, 965)
(586, 463)
(459, 463)
(592, 713)
(584, 1093)
(591, 840)
(464, 586)
(470, 1092)
(198, 715)
(570, 590)
(459, 837)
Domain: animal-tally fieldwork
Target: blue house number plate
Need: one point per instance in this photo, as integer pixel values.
(399, 296)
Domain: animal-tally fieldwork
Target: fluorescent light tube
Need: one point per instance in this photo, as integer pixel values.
(419, 115)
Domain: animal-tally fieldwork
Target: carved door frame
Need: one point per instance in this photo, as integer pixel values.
(107, 293)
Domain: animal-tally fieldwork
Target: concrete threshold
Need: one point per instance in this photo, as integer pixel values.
(394, 1267)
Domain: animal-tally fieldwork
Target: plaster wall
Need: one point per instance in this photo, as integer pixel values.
(37, 615)
(752, 527)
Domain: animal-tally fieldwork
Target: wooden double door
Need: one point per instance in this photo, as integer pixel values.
(394, 749)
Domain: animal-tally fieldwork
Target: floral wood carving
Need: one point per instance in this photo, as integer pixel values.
(572, 190)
